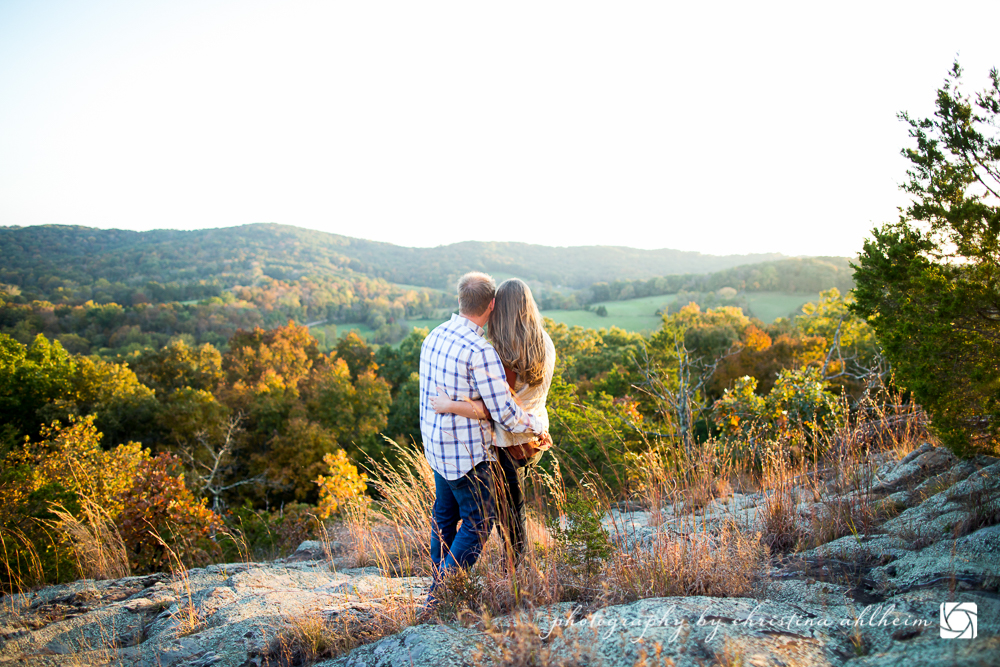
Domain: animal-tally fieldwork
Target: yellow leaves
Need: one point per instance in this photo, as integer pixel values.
(343, 484)
(629, 410)
(101, 381)
(71, 457)
(756, 340)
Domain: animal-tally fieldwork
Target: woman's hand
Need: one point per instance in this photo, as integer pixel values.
(468, 408)
(544, 441)
(442, 403)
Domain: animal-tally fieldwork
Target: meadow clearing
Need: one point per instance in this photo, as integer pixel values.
(633, 315)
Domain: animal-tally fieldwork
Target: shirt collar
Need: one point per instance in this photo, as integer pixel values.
(455, 317)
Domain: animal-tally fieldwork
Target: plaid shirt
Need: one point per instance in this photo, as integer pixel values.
(455, 356)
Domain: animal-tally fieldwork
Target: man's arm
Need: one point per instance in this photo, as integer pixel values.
(490, 381)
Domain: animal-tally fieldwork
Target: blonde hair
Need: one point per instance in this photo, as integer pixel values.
(475, 291)
(516, 331)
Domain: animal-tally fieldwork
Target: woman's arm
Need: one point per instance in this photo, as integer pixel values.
(468, 408)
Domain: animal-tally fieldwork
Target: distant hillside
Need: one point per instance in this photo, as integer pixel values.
(574, 267)
(114, 291)
(37, 259)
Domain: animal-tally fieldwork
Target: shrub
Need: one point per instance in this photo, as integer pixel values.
(159, 513)
(69, 506)
(797, 407)
(928, 283)
(63, 467)
(582, 543)
(343, 483)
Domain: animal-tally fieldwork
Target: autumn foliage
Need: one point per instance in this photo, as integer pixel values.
(144, 496)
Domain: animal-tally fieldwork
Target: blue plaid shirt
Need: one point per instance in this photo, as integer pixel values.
(455, 356)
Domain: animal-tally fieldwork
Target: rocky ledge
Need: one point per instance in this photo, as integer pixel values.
(865, 599)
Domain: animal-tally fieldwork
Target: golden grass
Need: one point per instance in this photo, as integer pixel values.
(702, 559)
(307, 638)
(691, 555)
(521, 643)
(394, 532)
(841, 481)
(96, 544)
(20, 566)
(725, 562)
(188, 617)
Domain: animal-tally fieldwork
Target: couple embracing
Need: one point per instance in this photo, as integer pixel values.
(482, 417)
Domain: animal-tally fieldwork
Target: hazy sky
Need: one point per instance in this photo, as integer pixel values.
(725, 127)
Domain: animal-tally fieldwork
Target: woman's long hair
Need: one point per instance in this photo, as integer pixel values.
(516, 331)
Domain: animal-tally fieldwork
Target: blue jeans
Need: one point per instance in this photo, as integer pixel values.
(469, 498)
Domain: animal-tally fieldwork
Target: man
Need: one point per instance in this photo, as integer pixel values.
(457, 358)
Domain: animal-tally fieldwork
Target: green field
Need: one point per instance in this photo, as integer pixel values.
(640, 314)
(332, 332)
(632, 315)
(427, 324)
(417, 288)
(769, 306)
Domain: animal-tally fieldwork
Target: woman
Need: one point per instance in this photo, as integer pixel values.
(529, 359)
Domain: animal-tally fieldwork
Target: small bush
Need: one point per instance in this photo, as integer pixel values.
(344, 483)
(64, 468)
(158, 509)
(583, 544)
(797, 407)
(69, 506)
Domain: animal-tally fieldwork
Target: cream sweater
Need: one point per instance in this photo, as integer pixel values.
(531, 399)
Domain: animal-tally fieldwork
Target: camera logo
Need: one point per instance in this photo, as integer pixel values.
(958, 620)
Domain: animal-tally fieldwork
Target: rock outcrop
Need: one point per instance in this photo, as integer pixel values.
(863, 599)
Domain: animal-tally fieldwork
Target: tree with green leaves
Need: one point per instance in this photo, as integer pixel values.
(929, 284)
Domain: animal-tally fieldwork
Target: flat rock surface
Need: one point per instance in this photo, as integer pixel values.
(222, 614)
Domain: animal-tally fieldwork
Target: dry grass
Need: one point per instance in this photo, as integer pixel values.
(720, 563)
(521, 643)
(569, 555)
(840, 482)
(97, 546)
(306, 639)
(20, 566)
(393, 533)
(778, 513)
(188, 617)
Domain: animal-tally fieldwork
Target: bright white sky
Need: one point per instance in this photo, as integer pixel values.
(724, 127)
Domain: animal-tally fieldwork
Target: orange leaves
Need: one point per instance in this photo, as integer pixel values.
(267, 360)
(160, 504)
(756, 340)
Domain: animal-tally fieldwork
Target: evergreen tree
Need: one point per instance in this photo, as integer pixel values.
(930, 283)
